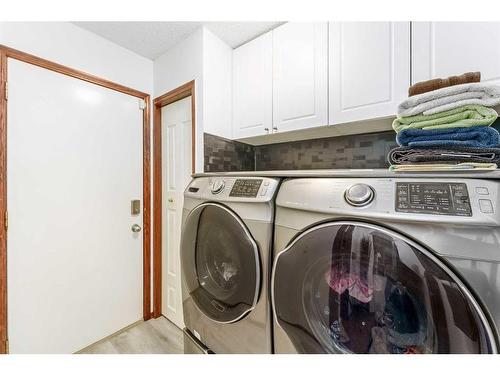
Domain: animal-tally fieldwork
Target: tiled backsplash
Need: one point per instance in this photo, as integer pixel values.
(350, 151)
(224, 155)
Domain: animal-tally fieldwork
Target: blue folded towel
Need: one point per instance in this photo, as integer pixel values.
(476, 136)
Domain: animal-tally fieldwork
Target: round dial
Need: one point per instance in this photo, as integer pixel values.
(359, 195)
(217, 186)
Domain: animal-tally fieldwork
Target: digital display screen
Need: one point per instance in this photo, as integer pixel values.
(433, 198)
(248, 188)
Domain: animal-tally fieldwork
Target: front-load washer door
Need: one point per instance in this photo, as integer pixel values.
(220, 263)
(353, 287)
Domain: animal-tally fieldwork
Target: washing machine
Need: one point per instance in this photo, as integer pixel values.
(387, 265)
(226, 251)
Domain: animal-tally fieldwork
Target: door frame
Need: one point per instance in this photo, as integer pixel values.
(5, 54)
(181, 92)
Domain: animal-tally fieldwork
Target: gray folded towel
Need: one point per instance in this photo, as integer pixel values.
(449, 98)
(410, 155)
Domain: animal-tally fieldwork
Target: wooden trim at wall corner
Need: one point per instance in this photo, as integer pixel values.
(7, 52)
(181, 92)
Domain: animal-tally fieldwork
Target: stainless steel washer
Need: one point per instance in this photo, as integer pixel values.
(387, 265)
(226, 254)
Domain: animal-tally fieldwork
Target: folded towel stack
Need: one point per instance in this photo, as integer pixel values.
(447, 128)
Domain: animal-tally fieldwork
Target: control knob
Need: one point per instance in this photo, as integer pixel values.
(217, 186)
(359, 195)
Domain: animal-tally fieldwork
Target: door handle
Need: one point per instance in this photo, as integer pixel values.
(136, 228)
(171, 200)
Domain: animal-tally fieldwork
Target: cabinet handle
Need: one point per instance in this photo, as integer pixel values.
(266, 130)
(275, 129)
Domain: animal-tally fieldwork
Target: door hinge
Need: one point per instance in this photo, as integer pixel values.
(142, 104)
(6, 220)
(6, 91)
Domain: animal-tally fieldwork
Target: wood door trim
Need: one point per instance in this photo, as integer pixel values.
(170, 97)
(3, 203)
(7, 52)
(55, 67)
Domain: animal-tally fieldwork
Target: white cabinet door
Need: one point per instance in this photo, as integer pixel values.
(252, 88)
(300, 75)
(441, 49)
(369, 69)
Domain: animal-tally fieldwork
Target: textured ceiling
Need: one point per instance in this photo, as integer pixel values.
(152, 39)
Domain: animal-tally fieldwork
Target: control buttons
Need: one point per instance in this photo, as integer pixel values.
(433, 198)
(263, 191)
(245, 188)
(217, 186)
(482, 190)
(359, 195)
(486, 206)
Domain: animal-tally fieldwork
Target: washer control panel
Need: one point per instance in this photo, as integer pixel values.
(433, 198)
(245, 187)
(461, 201)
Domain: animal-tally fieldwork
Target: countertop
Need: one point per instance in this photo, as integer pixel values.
(362, 173)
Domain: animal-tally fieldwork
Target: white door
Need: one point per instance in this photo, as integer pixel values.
(369, 69)
(253, 88)
(300, 75)
(176, 174)
(442, 49)
(74, 164)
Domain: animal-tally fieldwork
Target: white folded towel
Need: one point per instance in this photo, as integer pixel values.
(449, 98)
(423, 167)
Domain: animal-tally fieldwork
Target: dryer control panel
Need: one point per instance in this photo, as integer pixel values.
(233, 189)
(434, 198)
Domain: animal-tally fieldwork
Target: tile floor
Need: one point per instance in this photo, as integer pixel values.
(156, 336)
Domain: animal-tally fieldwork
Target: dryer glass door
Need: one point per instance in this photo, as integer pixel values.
(349, 287)
(220, 263)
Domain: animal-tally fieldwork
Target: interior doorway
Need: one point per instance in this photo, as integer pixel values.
(174, 161)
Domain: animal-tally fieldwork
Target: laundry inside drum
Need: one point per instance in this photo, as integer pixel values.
(361, 304)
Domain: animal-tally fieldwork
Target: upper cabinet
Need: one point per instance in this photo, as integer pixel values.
(369, 69)
(252, 88)
(303, 75)
(442, 49)
(300, 76)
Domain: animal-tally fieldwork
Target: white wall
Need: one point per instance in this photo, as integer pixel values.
(206, 59)
(179, 65)
(217, 86)
(70, 45)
